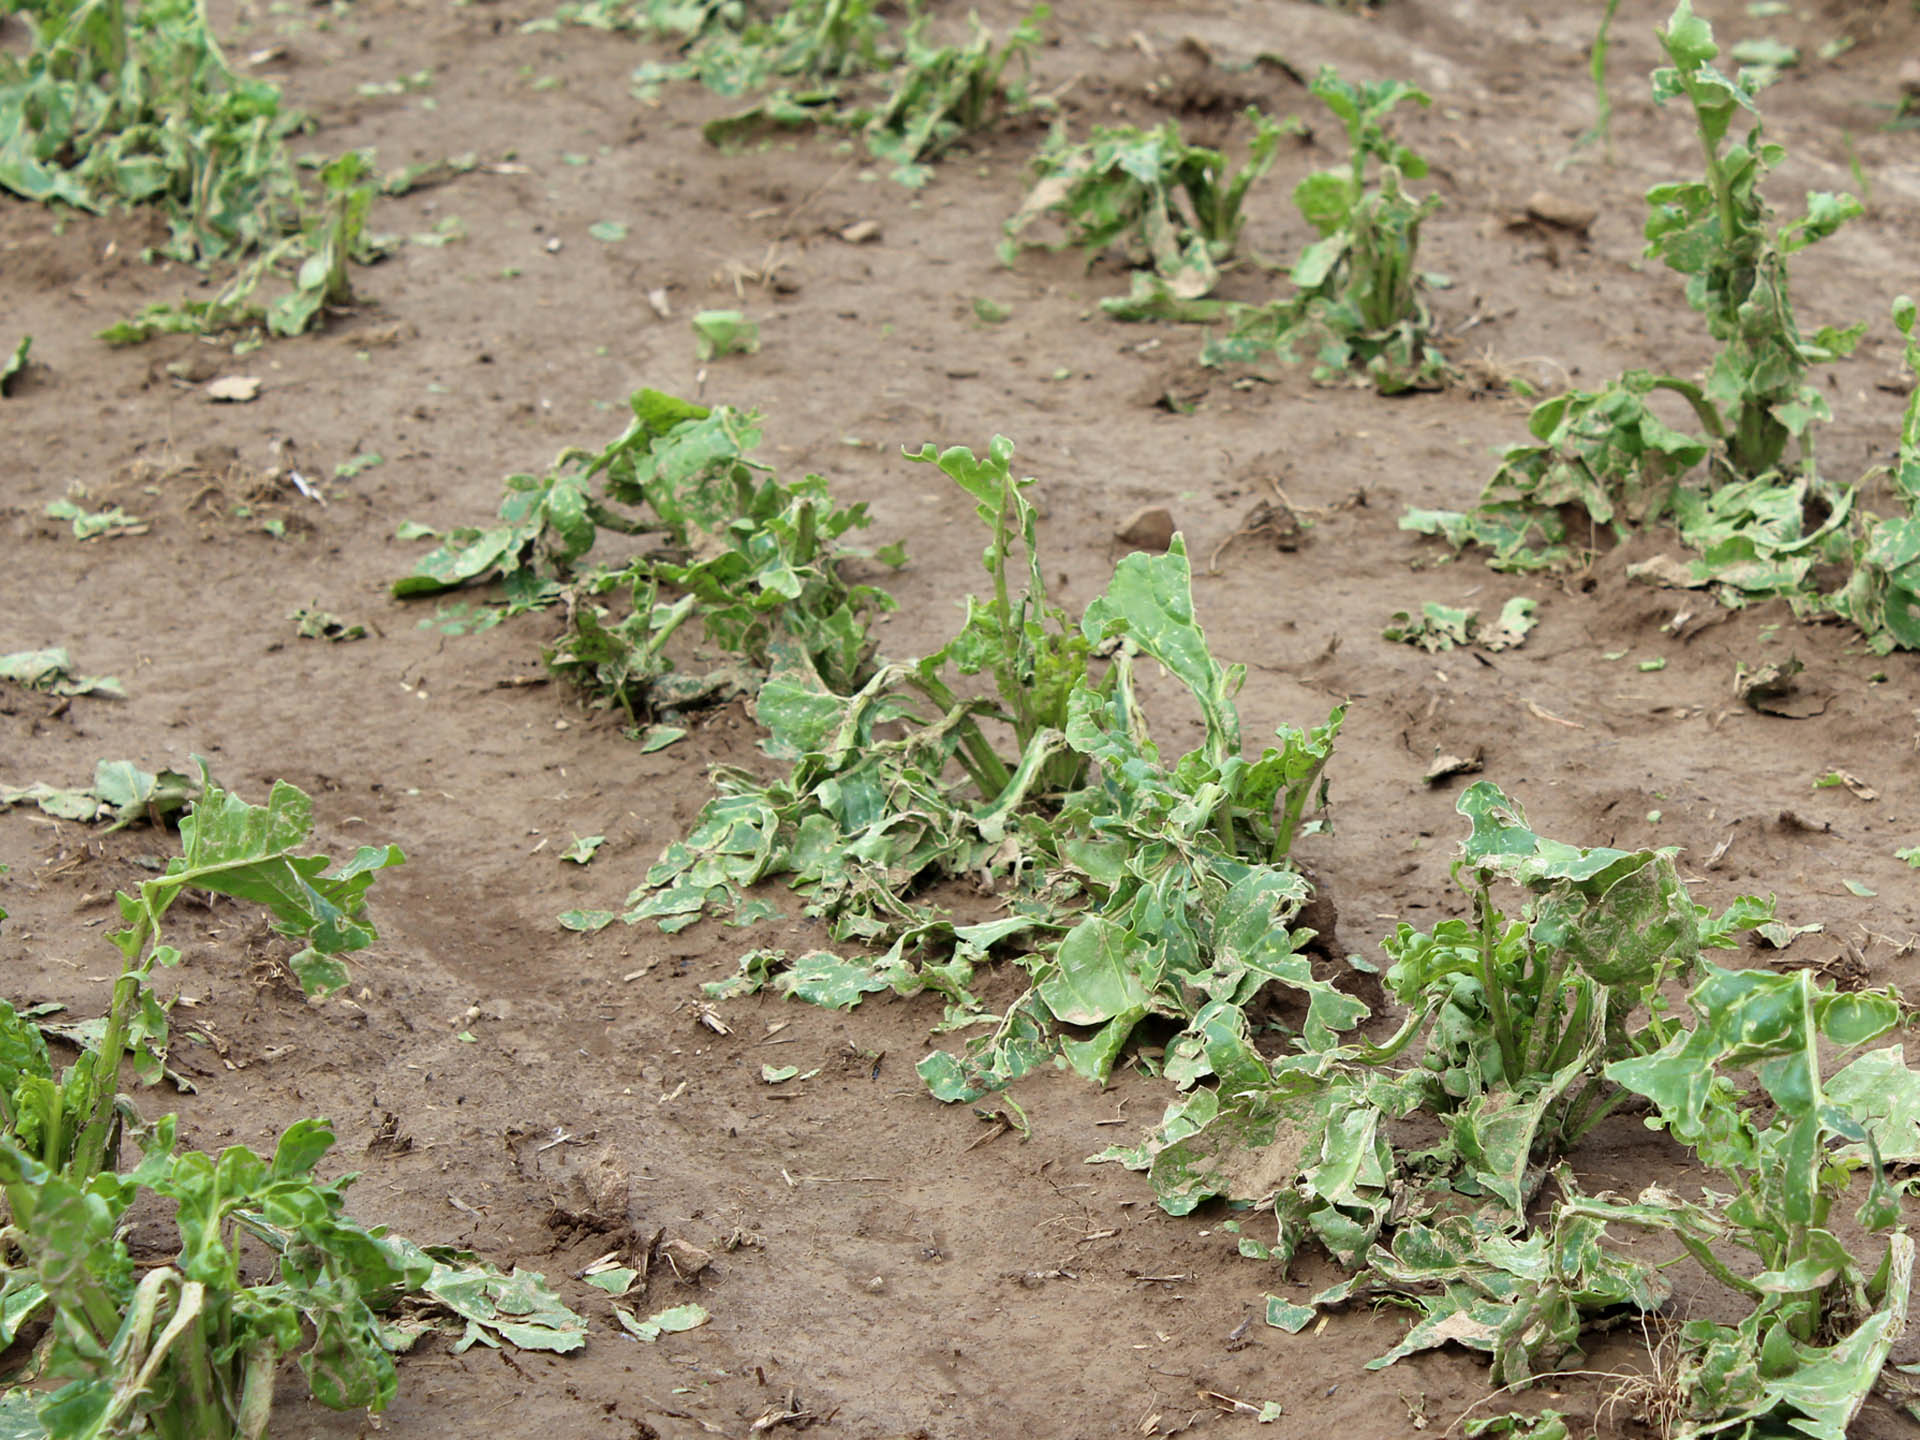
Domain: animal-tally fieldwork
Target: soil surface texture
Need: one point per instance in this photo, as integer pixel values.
(882, 1265)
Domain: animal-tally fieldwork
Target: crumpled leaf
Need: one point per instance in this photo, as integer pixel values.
(52, 672)
(121, 792)
(675, 1320)
(491, 1307)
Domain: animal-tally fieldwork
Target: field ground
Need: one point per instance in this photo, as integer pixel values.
(886, 1265)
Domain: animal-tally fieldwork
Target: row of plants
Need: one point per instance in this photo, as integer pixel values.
(836, 64)
(269, 1263)
(1013, 770)
(1741, 491)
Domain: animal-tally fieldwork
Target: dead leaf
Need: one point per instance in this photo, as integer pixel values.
(1445, 766)
(1858, 787)
(1772, 690)
(233, 389)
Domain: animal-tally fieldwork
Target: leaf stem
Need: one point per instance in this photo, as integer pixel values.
(1493, 992)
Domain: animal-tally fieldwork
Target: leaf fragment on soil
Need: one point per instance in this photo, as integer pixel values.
(121, 792)
(674, 1321)
(51, 672)
(583, 849)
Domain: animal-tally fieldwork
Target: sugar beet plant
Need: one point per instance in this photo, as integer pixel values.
(1741, 490)
(333, 236)
(1882, 595)
(1356, 297)
(190, 1348)
(760, 562)
(117, 104)
(1524, 1032)
(1175, 210)
(1016, 757)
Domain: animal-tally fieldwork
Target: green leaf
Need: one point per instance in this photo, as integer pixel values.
(583, 849)
(1096, 978)
(249, 852)
(15, 366)
(724, 332)
(1150, 601)
(492, 1307)
(673, 1321)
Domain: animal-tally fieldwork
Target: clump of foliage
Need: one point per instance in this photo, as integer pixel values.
(732, 53)
(123, 105)
(1357, 289)
(1523, 1033)
(758, 561)
(328, 241)
(229, 848)
(1882, 595)
(681, 20)
(1757, 516)
(190, 1348)
(1136, 887)
(929, 98)
(1176, 209)
(118, 104)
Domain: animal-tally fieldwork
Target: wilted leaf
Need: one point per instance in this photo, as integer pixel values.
(674, 1321)
(52, 671)
(494, 1307)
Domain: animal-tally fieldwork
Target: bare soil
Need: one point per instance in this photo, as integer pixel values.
(886, 1266)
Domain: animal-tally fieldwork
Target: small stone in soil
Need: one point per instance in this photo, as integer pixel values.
(1148, 528)
(1561, 212)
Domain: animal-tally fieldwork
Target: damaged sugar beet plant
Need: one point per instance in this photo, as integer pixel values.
(1175, 209)
(1523, 1033)
(1357, 291)
(758, 561)
(136, 105)
(1741, 491)
(931, 98)
(1134, 887)
(269, 1264)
